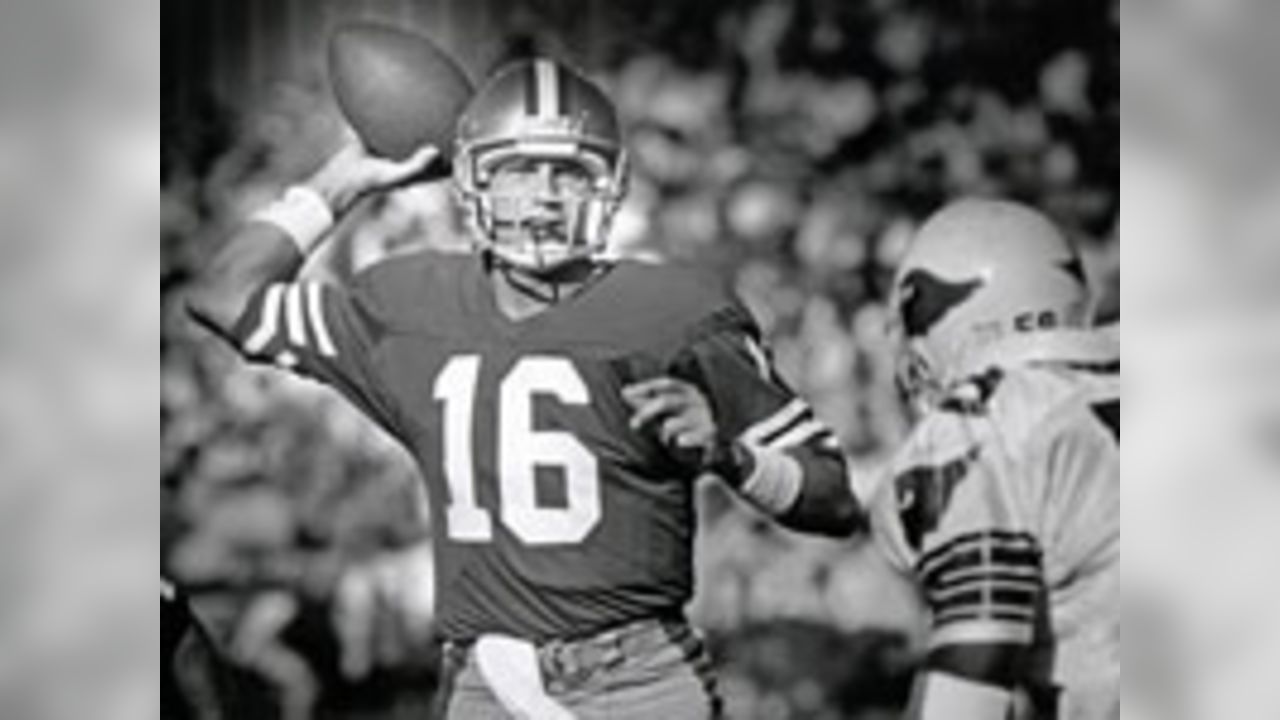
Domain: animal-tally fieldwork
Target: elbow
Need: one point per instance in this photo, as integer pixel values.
(847, 518)
(828, 506)
(840, 520)
(212, 309)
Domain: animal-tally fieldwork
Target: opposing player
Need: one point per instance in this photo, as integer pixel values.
(1005, 502)
(560, 404)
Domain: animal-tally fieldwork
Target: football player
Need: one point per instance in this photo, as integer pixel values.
(560, 403)
(1004, 504)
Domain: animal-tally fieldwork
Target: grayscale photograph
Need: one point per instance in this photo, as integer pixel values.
(667, 360)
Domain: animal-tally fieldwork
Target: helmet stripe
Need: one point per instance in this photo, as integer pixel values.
(565, 84)
(530, 85)
(548, 83)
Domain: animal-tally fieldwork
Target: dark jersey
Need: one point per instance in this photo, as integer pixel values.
(551, 517)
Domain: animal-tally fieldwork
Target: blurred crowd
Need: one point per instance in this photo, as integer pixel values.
(793, 145)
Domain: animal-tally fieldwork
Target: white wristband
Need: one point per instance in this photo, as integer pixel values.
(950, 697)
(302, 214)
(777, 482)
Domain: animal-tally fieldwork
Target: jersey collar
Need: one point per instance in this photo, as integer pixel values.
(1087, 348)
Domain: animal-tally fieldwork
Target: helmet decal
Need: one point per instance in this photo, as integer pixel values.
(927, 299)
(1075, 268)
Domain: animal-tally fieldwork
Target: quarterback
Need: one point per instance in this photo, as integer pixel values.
(560, 403)
(1005, 502)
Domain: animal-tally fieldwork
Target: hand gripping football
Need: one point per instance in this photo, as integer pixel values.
(398, 91)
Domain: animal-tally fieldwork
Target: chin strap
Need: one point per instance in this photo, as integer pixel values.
(551, 287)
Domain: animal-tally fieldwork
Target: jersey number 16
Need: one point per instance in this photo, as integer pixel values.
(522, 450)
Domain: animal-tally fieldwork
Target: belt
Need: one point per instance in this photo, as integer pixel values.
(568, 661)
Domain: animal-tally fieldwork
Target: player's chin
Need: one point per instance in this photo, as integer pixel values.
(552, 262)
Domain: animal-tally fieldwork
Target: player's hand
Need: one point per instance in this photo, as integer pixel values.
(680, 415)
(353, 173)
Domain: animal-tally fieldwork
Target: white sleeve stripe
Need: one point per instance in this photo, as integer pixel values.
(801, 435)
(981, 632)
(269, 324)
(760, 358)
(756, 434)
(984, 585)
(295, 319)
(984, 572)
(319, 325)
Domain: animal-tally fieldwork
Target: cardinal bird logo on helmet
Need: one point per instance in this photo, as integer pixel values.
(927, 300)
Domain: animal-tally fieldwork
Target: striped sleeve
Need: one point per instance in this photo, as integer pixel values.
(752, 403)
(983, 588)
(952, 518)
(292, 325)
(318, 331)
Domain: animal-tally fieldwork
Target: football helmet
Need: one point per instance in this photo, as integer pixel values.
(540, 112)
(978, 272)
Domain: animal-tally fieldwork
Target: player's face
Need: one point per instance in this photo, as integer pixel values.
(539, 209)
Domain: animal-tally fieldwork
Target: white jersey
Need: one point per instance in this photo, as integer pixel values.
(1005, 506)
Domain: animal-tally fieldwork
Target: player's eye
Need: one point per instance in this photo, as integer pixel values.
(527, 176)
(571, 180)
(515, 177)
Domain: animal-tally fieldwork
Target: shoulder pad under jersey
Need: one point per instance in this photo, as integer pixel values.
(1015, 404)
(410, 292)
(675, 301)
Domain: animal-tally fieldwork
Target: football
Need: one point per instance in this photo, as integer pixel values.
(397, 90)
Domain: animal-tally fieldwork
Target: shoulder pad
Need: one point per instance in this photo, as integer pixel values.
(678, 299)
(399, 291)
(1016, 404)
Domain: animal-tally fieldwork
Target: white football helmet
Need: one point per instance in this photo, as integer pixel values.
(979, 272)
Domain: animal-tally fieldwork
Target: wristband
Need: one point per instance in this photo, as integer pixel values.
(775, 483)
(951, 697)
(302, 214)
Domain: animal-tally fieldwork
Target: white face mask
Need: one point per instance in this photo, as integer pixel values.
(543, 214)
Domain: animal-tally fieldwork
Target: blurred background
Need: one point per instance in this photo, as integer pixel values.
(792, 144)
(1200, 142)
(79, 206)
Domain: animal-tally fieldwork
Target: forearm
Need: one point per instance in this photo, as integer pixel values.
(827, 504)
(257, 255)
(275, 243)
(970, 682)
(804, 489)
